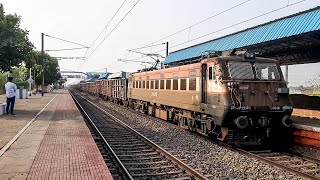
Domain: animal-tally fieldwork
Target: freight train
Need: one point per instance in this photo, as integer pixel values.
(241, 100)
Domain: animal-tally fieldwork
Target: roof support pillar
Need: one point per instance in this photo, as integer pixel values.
(287, 74)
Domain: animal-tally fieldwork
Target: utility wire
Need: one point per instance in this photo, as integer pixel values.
(114, 28)
(111, 63)
(106, 26)
(66, 49)
(111, 32)
(66, 41)
(200, 22)
(189, 27)
(143, 47)
(231, 26)
(236, 24)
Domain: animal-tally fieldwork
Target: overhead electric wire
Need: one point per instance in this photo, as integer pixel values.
(236, 24)
(197, 23)
(143, 47)
(188, 28)
(283, 7)
(111, 32)
(114, 28)
(275, 10)
(65, 49)
(66, 40)
(106, 26)
(124, 57)
(151, 44)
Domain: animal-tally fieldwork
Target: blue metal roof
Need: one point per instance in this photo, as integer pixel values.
(104, 76)
(90, 80)
(300, 23)
(120, 74)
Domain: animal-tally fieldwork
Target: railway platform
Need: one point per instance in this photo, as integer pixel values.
(306, 125)
(48, 139)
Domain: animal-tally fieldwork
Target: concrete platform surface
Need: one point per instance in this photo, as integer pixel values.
(305, 123)
(57, 145)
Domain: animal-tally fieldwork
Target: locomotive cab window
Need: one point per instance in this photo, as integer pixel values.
(240, 70)
(267, 71)
(210, 73)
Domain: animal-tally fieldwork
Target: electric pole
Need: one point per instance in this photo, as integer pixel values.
(167, 49)
(42, 57)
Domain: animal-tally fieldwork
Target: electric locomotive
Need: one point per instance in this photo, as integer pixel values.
(242, 100)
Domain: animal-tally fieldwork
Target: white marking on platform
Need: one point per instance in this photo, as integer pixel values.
(6, 147)
(306, 127)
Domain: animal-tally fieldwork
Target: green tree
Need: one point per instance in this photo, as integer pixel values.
(15, 47)
(51, 71)
(20, 74)
(96, 76)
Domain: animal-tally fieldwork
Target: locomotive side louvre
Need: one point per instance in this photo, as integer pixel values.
(185, 87)
(167, 87)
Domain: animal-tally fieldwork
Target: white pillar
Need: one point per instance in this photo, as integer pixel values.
(287, 74)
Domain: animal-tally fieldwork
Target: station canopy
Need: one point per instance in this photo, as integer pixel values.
(294, 39)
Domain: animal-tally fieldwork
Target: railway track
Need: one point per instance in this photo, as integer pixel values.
(129, 154)
(304, 166)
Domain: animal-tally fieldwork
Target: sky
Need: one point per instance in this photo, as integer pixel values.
(148, 21)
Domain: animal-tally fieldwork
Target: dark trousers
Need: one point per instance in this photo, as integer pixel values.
(10, 103)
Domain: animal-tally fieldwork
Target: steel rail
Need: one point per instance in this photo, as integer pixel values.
(309, 158)
(169, 156)
(123, 168)
(241, 151)
(274, 163)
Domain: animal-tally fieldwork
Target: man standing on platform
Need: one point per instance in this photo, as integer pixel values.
(11, 89)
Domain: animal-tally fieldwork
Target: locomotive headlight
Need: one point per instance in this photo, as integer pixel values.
(241, 122)
(286, 121)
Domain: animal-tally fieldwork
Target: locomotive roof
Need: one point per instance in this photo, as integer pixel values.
(239, 58)
(220, 58)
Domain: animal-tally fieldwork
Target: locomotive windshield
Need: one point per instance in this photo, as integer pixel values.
(240, 70)
(267, 71)
(244, 70)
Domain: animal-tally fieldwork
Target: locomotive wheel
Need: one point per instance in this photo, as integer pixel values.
(191, 125)
(182, 123)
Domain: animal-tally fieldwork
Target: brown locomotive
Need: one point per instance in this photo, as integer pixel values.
(235, 99)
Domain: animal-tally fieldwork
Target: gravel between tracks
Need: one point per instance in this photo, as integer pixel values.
(200, 153)
(307, 151)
